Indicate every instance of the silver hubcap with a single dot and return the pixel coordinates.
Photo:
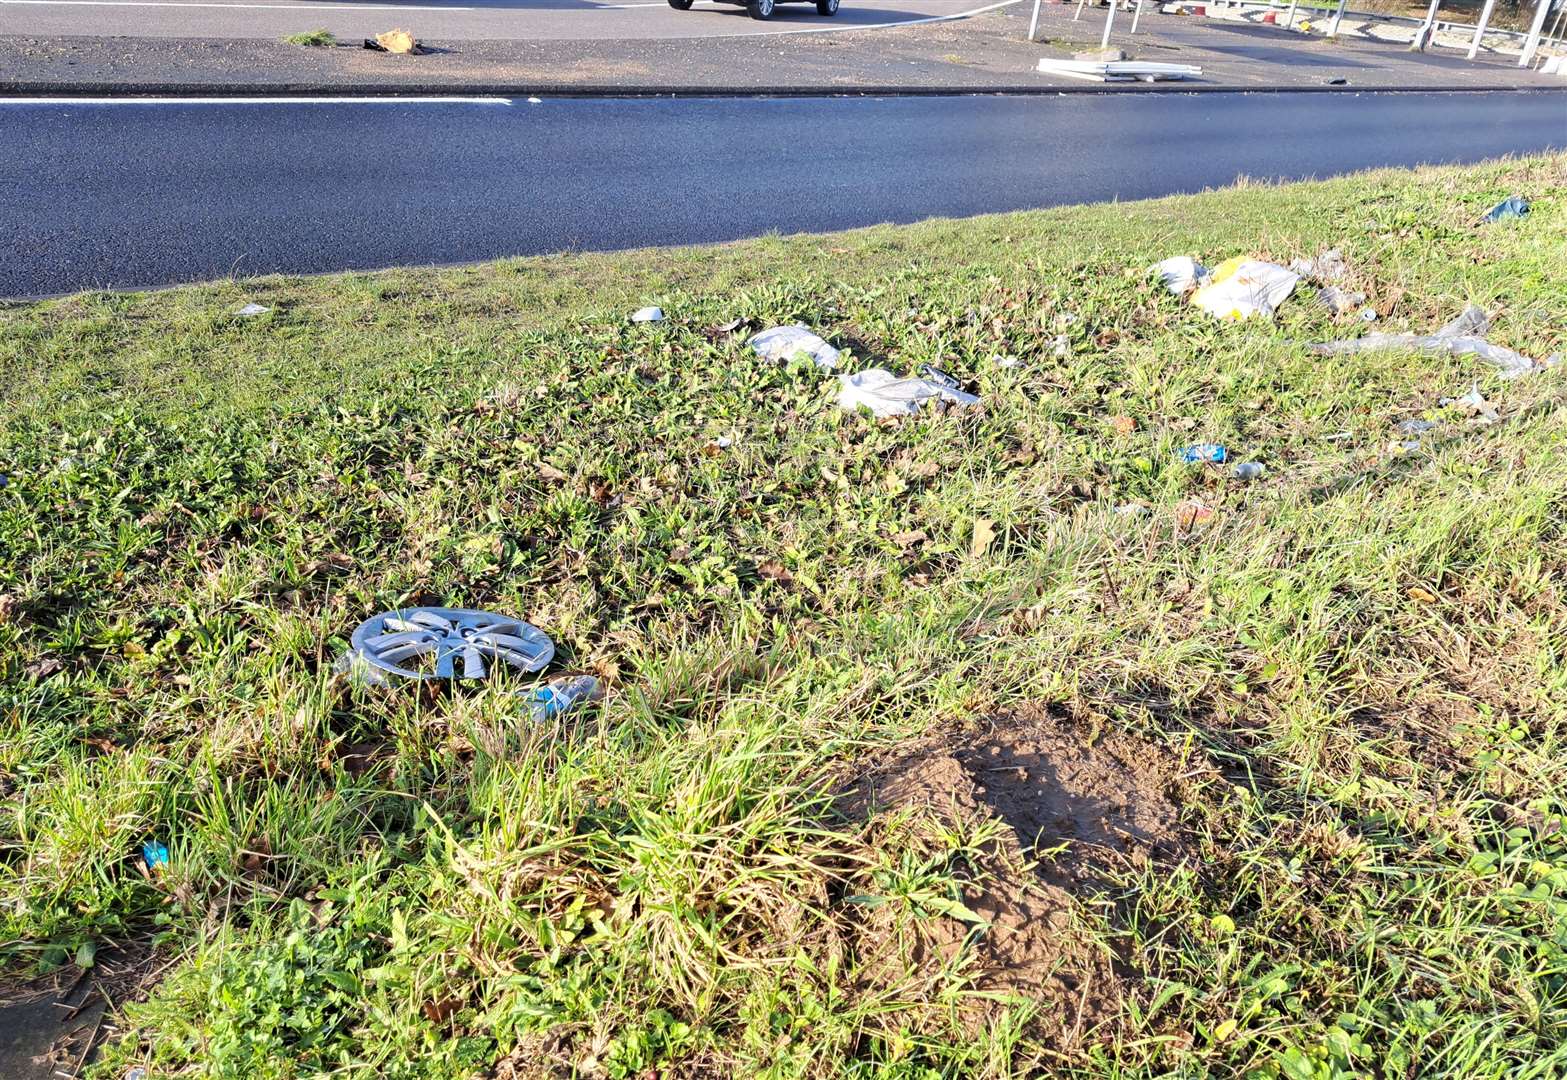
(437, 639)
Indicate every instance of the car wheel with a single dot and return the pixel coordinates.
(826, 7)
(681, 5)
(760, 9)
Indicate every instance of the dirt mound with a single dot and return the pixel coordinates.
(1023, 936)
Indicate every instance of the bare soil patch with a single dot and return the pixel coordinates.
(1074, 806)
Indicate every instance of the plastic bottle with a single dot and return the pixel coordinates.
(561, 695)
(1249, 470)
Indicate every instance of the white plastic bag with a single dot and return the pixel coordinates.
(780, 344)
(1179, 274)
(1241, 288)
(884, 394)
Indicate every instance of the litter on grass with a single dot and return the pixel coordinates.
(250, 311)
(647, 314)
(1414, 427)
(1461, 337)
(1180, 274)
(1475, 404)
(884, 394)
(1241, 288)
(430, 642)
(1204, 454)
(1325, 268)
(1249, 470)
(1513, 206)
(563, 694)
(1000, 361)
(154, 855)
(780, 344)
(1338, 301)
(936, 375)
(1193, 512)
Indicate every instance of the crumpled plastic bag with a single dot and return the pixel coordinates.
(1338, 301)
(780, 344)
(1514, 206)
(1241, 288)
(1325, 268)
(1179, 274)
(1461, 337)
(884, 394)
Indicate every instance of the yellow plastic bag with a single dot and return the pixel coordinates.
(1242, 287)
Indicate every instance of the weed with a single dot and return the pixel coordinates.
(311, 38)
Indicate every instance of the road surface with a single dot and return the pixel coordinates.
(135, 195)
(460, 20)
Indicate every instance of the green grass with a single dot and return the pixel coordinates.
(311, 38)
(1359, 659)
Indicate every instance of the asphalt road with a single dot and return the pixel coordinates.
(460, 20)
(132, 195)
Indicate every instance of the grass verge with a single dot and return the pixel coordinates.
(919, 759)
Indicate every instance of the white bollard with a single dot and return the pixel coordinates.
(1485, 17)
(1532, 42)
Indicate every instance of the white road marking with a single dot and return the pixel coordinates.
(191, 4)
(4, 101)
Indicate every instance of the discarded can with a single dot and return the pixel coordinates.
(1204, 454)
(647, 314)
(1249, 470)
(561, 695)
(936, 375)
(154, 854)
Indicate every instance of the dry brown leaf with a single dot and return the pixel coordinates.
(774, 571)
(7, 606)
(909, 539)
(547, 471)
(1424, 596)
(984, 536)
(42, 669)
(1123, 425)
(438, 1011)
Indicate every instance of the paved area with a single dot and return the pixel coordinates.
(144, 194)
(989, 51)
(469, 20)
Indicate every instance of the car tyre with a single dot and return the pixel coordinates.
(681, 5)
(760, 9)
(827, 7)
